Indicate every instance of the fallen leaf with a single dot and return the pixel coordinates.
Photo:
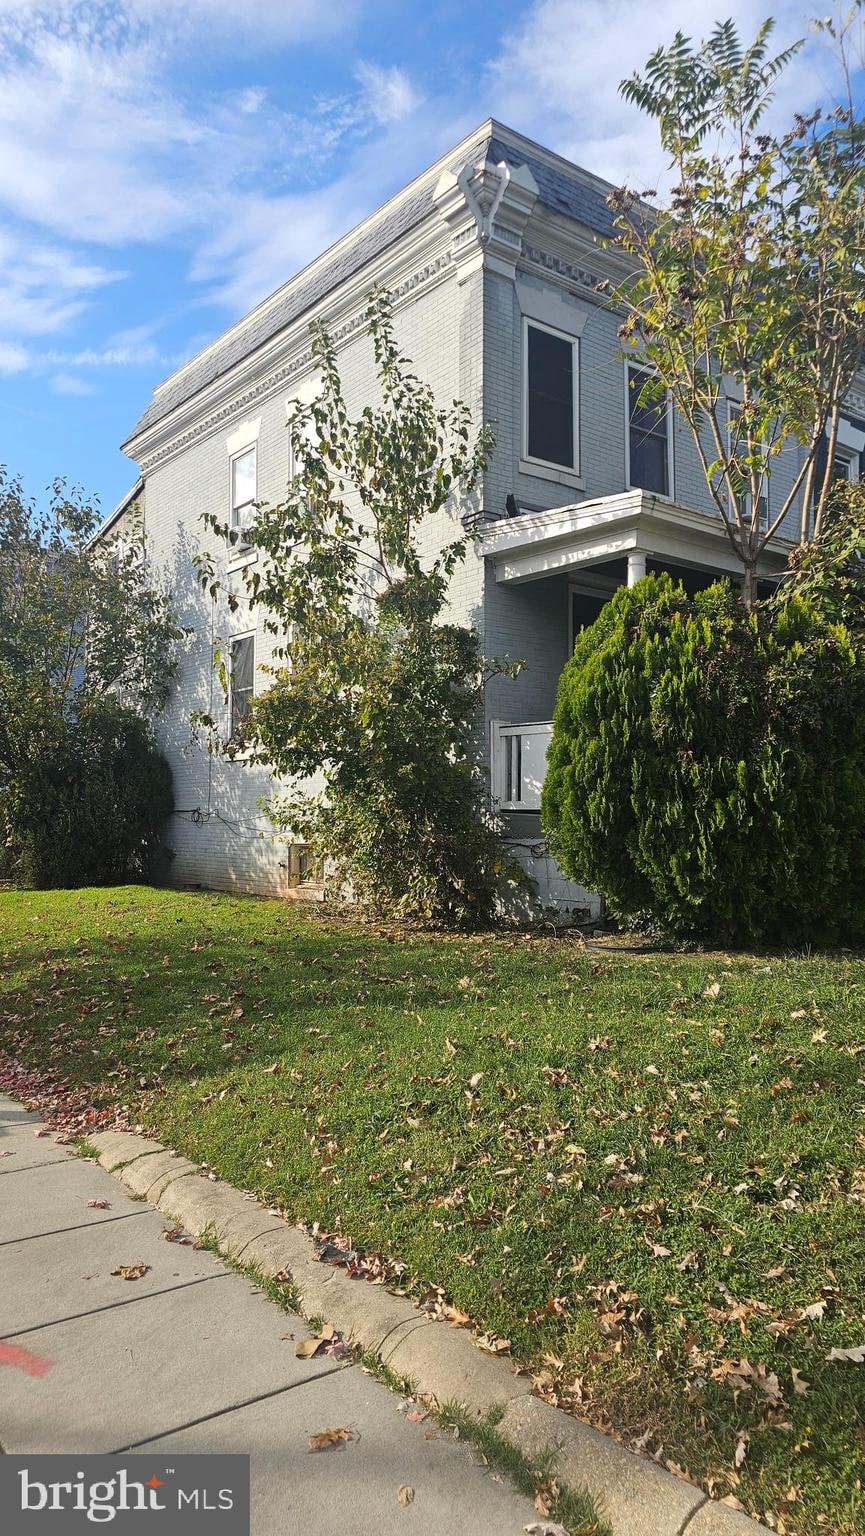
(405, 1495)
(713, 989)
(275, 1069)
(327, 1440)
(813, 1313)
(855, 1354)
(416, 1416)
(741, 1450)
(306, 1348)
(476, 1080)
(176, 1234)
(98, 1205)
(544, 1528)
(130, 1271)
(658, 1249)
(800, 1385)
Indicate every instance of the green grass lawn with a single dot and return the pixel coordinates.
(647, 1171)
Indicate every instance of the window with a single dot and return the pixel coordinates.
(739, 448)
(551, 373)
(243, 487)
(242, 680)
(845, 465)
(648, 437)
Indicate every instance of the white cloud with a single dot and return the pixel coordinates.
(13, 359)
(44, 287)
(556, 75)
(70, 384)
(388, 94)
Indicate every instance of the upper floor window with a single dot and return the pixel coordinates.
(845, 465)
(648, 436)
(241, 680)
(739, 450)
(243, 487)
(551, 392)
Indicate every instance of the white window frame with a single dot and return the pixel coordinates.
(764, 518)
(639, 366)
(236, 524)
(246, 634)
(849, 459)
(574, 341)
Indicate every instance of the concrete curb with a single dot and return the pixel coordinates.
(635, 1495)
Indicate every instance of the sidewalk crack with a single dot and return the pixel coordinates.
(220, 1413)
(110, 1306)
(32, 1237)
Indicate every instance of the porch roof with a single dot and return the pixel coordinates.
(538, 544)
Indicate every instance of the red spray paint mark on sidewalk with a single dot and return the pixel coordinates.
(23, 1360)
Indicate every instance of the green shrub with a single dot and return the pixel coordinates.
(708, 766)
(402, 823)
(91, 807)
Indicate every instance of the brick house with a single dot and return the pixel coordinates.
(493, 257)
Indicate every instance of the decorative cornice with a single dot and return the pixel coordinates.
(486, 207)
(282, 375)
(562, 268)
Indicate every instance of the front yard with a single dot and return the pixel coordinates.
(645, 1171)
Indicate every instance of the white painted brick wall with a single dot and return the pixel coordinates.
(463, 335)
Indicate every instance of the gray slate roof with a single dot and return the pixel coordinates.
(561, 190)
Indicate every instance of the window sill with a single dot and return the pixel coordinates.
(242, 556)
(550, 472)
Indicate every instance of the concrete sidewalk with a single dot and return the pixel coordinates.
(191, 1357)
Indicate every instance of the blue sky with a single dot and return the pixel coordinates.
(164, 164)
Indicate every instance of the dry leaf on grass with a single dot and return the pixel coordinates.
(800, 1385)
(405, 1495)
(130, 1271)
(98, 1205)
(328, 1440)
(856, 1354)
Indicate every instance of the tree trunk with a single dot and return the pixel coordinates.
(749, 586)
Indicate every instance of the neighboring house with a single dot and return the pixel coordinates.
(493, 257)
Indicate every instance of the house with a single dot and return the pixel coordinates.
(494, 257)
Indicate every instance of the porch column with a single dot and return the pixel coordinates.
(636, 567)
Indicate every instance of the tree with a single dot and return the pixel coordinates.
(707, 765)
(88, 648)
(373, 688)
(77, 621)
(751, 274)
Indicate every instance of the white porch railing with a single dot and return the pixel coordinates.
(519, 762)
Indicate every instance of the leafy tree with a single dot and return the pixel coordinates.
(77, 621)
(831, 573)
(374, 690)
(751, 272)
(88, 645)
(91, 808)
(708, 765)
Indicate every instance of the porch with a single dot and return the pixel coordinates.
(552, 572)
